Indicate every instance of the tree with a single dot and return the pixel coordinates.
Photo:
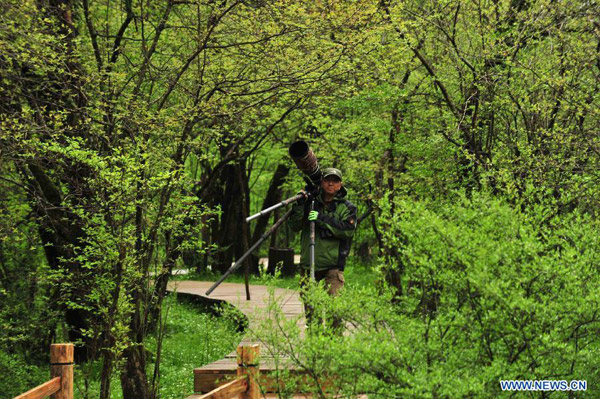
(104, 106)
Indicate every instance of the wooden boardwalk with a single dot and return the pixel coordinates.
(209, 376)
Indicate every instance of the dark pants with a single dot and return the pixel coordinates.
(334, 282)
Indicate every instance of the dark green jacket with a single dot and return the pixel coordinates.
(334, 230)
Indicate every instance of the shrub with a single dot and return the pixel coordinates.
(490, 293)
(18, 376)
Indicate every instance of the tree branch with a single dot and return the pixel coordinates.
(214, 23)
(117, 44)
(93, 34)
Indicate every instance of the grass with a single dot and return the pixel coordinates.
(355, 273)
(193, 336)
(192, 339)
(263, 279)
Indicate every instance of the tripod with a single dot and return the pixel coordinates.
(277, 224)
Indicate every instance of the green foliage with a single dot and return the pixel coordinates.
(490, 293)
(123, 127)
(504, 291)
(20, 374)
(26, 323)
(191, 336)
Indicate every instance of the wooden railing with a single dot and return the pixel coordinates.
(61, 370)
(247, 382)
(61, 374)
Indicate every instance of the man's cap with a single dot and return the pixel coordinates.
(332, 172)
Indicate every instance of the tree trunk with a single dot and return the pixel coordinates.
(133, 379)
(230, 213)
(229, 195)
(49, 94)
(60, 232)
(393, 269)
(273, 196)
(241, 171)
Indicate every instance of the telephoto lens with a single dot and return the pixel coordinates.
(306, 161)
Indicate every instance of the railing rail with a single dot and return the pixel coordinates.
(61, 372)
(246, 384)
(60, 386)
(230, 390)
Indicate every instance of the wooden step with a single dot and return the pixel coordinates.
(210, 376)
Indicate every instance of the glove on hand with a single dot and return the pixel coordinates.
(313, 215)
(301, 201)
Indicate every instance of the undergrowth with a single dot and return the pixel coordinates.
(194, 335)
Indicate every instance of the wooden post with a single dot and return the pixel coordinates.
(61, 365)
(247, 357)
(284, 255)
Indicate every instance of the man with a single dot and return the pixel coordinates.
(335, 222)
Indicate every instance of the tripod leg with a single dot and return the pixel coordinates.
(312, 244)
(244, 256)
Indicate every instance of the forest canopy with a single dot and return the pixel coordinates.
(136, 136)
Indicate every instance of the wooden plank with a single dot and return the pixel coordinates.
(229, 390)
(207, 382)
(267, 365)
(268, 380)
(46, 389)
(222, 365)
(212, 375)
